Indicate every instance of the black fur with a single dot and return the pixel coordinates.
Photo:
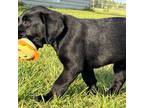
(81, 45)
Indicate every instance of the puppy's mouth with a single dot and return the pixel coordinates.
(37, 41)
(21, 35)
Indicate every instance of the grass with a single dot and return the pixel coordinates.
(37, 77)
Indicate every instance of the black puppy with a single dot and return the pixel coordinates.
(81, 45)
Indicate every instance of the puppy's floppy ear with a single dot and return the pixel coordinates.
(53, 23)
(43, 17)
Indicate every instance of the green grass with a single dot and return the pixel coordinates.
(37, 77)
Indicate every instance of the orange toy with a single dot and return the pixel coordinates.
(27, 50)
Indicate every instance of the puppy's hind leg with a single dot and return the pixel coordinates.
(119, 77)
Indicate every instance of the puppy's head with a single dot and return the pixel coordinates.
(40, 25)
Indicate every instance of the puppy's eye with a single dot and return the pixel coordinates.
(26, 23)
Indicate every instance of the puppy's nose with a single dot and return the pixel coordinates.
(21, 31)
(20, 28)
